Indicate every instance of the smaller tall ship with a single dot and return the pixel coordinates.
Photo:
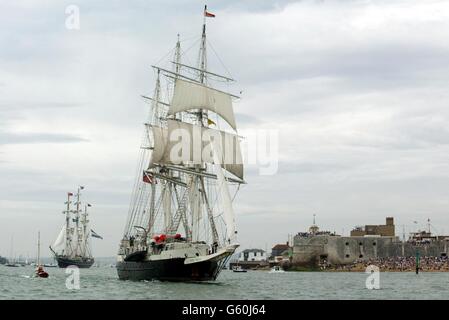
(72, 246)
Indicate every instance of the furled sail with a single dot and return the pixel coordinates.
(59, 244)
(189, 95)
(184, 143)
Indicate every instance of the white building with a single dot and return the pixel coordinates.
(252, 255)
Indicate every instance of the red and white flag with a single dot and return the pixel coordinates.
(148, 178)
(208, 14)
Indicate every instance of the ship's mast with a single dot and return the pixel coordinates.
(196, 201)
(177, 56)
(202, 114)
(38, 249)
(84, 223)
(155, 120)
(203, 59)
(67, 227)
(77, 218)
(177, 67)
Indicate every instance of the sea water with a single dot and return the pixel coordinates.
(102, 283)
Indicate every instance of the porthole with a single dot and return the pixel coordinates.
(347, 256)
(374, 243)
(361, 256)
(347, 243)
(360, 244)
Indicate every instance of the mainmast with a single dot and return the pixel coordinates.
(177, 55)
(203, 54)
(203, 62)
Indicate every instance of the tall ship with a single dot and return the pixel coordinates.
(181, 223)
(72, 246)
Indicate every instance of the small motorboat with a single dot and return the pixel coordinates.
(277, 269)
(238, 269)
(41, 273)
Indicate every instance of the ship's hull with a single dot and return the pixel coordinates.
(64, 262)
(168, 270)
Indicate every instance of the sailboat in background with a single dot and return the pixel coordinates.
(72, 246)
(40, 272)
(11, 260)
(181, 224)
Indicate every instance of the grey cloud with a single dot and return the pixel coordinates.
(345, 164)
(14, 106)
(246, 119)
(374, 66)
(330, 166)
(32, 138)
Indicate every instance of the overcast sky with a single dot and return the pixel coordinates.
(357, 89)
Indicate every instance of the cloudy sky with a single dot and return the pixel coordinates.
(356, 89)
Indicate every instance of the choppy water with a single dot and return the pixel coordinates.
(102, 283)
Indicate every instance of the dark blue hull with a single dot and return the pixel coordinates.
(84, 263)
(169, 270)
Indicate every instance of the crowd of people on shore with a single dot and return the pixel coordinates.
(394, 264)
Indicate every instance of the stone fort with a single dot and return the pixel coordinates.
(371, 242)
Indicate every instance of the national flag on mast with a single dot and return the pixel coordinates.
(95, 235)
(69, 194)
(148, 178)
(208, 14)
(89, 205)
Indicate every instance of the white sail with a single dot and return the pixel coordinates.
(159, 144)
(195, 147)
(226, 201)
(59, 244)
(189, 95)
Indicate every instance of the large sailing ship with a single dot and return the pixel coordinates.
(181, 224)
(72, 246)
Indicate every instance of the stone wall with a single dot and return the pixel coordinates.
(310, 251)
